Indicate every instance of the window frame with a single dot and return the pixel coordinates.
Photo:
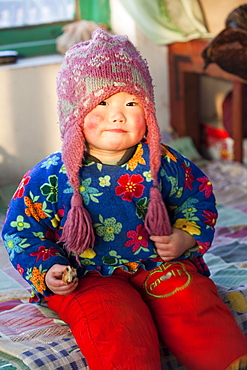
(41, 39)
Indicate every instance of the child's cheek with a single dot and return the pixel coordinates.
(140, 123)
(92, 122)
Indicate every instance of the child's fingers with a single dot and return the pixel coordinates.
(163, 239)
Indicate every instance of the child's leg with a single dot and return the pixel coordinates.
(111, 324)
(192, 321)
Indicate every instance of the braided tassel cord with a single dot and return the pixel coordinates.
(157, 220)
(78, 234)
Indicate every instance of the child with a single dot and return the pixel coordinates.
(99, 206)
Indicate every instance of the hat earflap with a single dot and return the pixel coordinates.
(78, 234)
(157, 221)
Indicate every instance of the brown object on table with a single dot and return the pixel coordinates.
(229, 51)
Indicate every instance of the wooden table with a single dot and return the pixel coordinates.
(185, 68)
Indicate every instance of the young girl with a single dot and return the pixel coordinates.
(132, 216)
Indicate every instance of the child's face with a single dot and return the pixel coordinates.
(114, 125)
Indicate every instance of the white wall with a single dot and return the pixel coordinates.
(28, 117)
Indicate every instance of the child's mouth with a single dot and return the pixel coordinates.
(116, 130)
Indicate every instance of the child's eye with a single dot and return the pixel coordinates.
(131, 104)
(102, 103)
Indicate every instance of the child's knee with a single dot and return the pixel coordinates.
(168, 280)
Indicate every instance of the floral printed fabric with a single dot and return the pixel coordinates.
(117, 198)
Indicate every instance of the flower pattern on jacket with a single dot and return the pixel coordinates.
(117, 199)
(130, 186)
(138, 238)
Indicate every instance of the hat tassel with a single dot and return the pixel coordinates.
(157, 220)
(78, 234)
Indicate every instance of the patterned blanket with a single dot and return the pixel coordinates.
(32, 337)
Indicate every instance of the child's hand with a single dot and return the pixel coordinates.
(55, 283)
(174, 245)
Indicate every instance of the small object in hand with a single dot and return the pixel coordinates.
(69, 275)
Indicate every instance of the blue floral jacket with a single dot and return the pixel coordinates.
(116, 198)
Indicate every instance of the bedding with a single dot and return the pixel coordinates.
(33, 337)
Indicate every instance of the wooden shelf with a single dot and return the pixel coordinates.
(186, 66)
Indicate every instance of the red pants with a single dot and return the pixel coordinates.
(118, 321)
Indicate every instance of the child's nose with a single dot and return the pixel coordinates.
(117, 116)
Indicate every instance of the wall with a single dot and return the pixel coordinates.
(28, 129)
(216, 12)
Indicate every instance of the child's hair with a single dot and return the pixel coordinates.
(91, 72)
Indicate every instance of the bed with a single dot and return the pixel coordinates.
(32, 336)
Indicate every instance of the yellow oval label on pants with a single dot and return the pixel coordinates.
(167, 279)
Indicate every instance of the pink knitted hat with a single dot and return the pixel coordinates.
(91, 72)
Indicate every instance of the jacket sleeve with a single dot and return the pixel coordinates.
(33, 224)
(188, 195)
